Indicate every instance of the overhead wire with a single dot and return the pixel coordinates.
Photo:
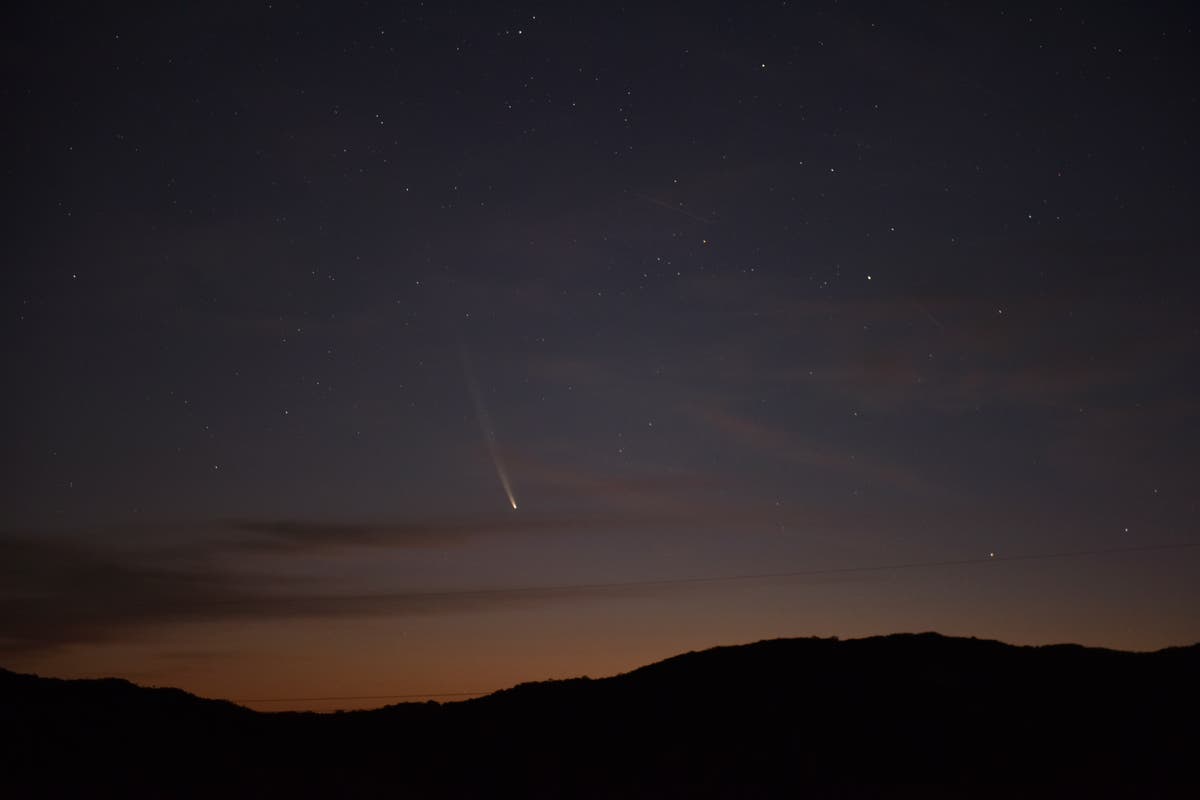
(991, 558)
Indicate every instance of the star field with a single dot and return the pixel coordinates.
(301, 300)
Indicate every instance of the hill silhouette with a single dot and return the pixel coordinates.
(908, 715)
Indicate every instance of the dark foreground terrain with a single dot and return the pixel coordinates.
(896, 716)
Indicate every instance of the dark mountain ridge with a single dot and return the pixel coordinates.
(908, 714)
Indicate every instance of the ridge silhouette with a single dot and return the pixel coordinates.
(904, 715)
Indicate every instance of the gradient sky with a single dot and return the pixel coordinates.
(724, 289)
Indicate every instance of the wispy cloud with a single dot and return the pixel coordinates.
(782, 444)
(942, 353)
(294, 536)
(65, 587)
(60, 593)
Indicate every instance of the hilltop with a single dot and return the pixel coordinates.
(917, 714)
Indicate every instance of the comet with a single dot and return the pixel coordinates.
(485, 425)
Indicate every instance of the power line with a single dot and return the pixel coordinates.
(359, 697)
(960, 562)
(650, 582)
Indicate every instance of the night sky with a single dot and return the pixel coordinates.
(894, 302)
